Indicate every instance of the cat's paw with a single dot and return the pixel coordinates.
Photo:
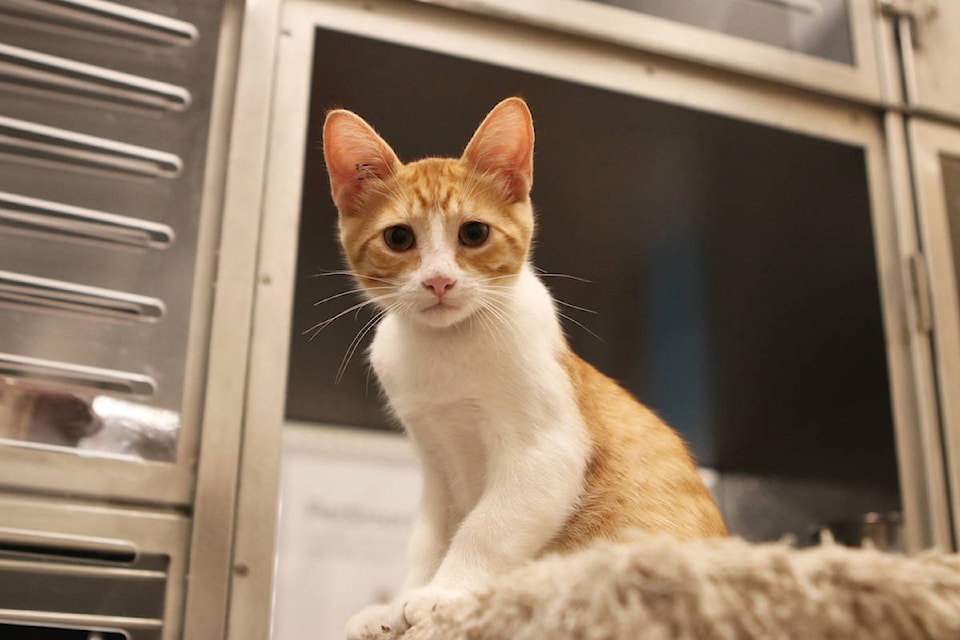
(419, 604)
(377, 622)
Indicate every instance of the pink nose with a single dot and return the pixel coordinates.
(439, 284)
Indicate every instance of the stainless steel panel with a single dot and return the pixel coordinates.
(38, 71)
(818, 28)
(104, 116)
(827, 46)
(102, 18)
(73, 566)
(232, 550)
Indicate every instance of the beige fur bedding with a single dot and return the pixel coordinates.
(656, 589)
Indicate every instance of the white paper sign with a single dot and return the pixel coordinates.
(348, 503)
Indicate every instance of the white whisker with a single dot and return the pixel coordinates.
(320, 326)
(347, 293)
(581, 325)
(355, 275)
(545, 274)
(573, 306)
(357, 339)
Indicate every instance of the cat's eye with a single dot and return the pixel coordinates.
(474, 234)
(399, 237)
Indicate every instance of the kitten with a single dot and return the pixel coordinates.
(526, 449)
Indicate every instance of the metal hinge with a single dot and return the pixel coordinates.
(918, 13)
(920, 288)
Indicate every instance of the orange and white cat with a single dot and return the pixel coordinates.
(526, 449)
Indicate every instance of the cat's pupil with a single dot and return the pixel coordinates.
(473, 234)
(399, 237)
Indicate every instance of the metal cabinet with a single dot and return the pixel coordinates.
(113, 139)
(66, 569)
(106, 244)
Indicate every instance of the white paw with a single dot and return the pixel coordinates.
(419, 604)
(377, 622)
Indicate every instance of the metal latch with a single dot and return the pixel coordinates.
(918, 13)
(920, 285)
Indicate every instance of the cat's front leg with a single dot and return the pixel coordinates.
(530, 493)
(431, 533)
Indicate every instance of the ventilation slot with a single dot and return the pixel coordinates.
(22, 541)
(38, 71)
(38, 372)
(88, 18)
(66, 222)
(40, 294)
(34, 143)
(33, 632)
(55, 586)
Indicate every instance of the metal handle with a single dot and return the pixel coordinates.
(39, 372)
(36, 216)
(36, 70)
(30, 142)
(921, 290)
(109, 18)
(43, 294)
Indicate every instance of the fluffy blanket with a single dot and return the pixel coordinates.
(657, 589)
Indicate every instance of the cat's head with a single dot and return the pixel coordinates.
(438, 239)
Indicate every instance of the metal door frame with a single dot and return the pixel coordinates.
(929, 143)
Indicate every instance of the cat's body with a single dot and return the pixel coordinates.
(525, 448)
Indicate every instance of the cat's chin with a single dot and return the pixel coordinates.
(442, 316)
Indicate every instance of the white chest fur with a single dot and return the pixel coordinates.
(492, 413)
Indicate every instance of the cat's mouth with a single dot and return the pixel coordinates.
(440, 306)
(442, 313)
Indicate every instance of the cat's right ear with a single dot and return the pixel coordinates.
(356, 157)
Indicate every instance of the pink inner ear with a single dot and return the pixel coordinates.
(503, 146)
(355, 156)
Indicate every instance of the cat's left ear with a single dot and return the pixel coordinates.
(503, 146)
(356, 157)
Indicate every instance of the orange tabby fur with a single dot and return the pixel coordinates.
(640, 476)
